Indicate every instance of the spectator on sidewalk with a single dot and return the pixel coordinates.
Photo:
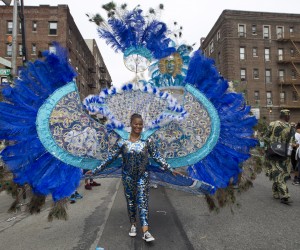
(89, 182)
(297, 155)
(74, 197)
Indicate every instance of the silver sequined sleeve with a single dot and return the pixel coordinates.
(113, 154)
(156, 156)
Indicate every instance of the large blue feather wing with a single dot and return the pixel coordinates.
(217, 134)
(48, 130)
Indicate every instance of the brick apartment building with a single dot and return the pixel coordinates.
(259, 53)
(45, 24)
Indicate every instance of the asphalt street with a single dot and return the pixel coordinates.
(178, 221)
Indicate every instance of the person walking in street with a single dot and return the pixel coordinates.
(135, 154)
(277, 167)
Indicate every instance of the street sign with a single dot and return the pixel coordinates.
(7, 2)
(4, 72)
(5, 62)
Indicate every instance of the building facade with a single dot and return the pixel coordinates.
(259, 52)
(46, 24)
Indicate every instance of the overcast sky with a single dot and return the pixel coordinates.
(197, 18)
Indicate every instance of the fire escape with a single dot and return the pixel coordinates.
(289, 74)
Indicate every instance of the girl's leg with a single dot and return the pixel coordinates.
(142, 199)
(130, 192)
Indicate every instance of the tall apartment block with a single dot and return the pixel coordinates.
(259, 52)
(45, 24)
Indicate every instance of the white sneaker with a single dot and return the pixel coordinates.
(148, 237)
(132, 231)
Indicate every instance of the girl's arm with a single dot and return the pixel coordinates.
(113, 154)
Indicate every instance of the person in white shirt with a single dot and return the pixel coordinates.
(297, 156)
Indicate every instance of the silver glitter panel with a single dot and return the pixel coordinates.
(77, 133)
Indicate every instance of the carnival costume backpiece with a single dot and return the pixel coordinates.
(206, 131)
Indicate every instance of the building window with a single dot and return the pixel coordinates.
(267, 54)
(281, 75)
(242, 53)
(9, 27)
(268, 76)
(280, 54)
(269, 98)
(218, 35)
(256, 95)
(295, 96)
(254, 31)
(266, 31)
(291, 31)
(211, 47)
(20, 28)
(254, 52)
(243, 74)
(280, 32)
(52, 28)
(242, 30)
(292, 51)
(8, 50)
(20, 50)
(34, 26)
(255, 74)
(52, 49)
(293, 74)
(219, 57)
(282, 97)
(33, 49)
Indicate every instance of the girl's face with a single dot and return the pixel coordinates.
(137, 125)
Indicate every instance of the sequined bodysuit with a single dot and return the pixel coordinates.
(135, 176)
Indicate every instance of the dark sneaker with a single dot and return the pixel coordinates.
(88, 187)
(132, 231)
(296, 183)
(148, 237)
(72, 199)
(95, 184)
(285, 201)
(78, 195)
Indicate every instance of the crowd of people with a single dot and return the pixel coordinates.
(282, 141)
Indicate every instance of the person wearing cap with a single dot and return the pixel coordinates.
(276, 168)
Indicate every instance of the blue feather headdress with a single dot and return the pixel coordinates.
(131, 32)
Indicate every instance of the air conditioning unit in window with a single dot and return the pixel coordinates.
(269, 102)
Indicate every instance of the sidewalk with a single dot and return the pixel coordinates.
(82, 230)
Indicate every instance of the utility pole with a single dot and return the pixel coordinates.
(14, 40)
(21, 14)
